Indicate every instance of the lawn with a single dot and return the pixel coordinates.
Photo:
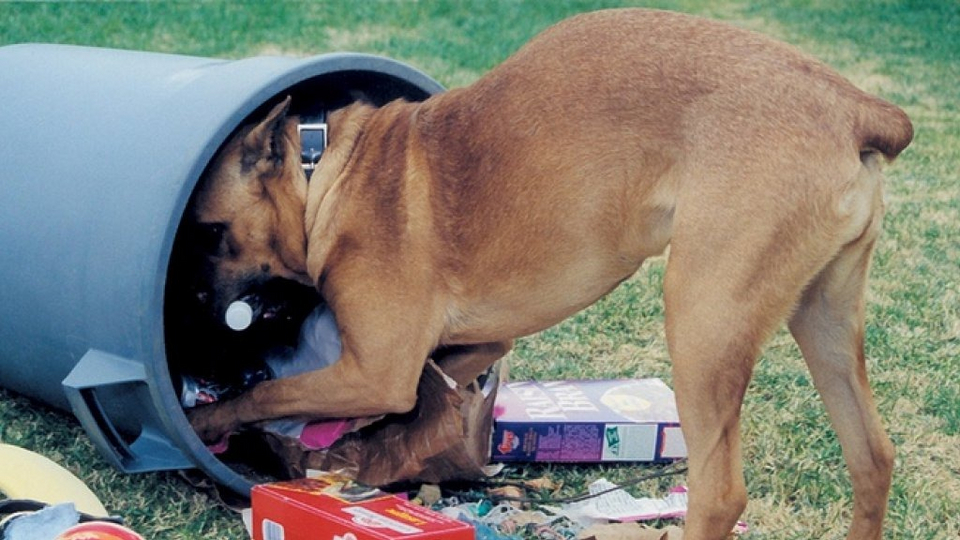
(798, 489)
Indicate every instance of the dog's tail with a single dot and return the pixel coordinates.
(882, 127)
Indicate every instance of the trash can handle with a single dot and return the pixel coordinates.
(151, 450)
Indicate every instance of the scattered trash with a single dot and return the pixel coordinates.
(504, 521)
(607, 512)
(33, 520)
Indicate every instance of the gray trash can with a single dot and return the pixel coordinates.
(100, 151)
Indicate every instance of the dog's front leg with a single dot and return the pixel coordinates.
(384, 350)
(350, 388)
(464, 363)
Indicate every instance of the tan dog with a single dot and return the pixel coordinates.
(494, 211)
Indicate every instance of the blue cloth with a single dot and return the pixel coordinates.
(43, 524)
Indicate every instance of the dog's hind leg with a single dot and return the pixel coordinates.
(829, 326)
(734, 274)
(713, 346)
(715, 331)
(744, 248)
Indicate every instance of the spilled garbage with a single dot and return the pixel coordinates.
(322, 500)
(456, 435)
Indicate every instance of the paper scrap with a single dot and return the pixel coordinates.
(618, 505)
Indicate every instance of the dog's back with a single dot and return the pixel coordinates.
(663, 76)
(620, 117)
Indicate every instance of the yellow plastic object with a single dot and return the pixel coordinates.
(28, 475)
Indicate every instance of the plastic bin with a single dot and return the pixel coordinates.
(101, 150)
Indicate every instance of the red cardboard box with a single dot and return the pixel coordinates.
(330, 508)
(587, 422)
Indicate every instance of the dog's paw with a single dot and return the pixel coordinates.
(211, 424)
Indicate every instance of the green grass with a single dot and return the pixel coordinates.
(905, 51)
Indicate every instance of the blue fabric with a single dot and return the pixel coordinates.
(43, 524)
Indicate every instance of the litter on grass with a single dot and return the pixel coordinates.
(610, 514)
(564, 521)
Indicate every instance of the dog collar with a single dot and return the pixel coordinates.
(313, 140)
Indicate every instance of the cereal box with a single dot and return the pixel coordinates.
(587, 421)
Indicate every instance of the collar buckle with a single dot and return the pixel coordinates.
(313, 141)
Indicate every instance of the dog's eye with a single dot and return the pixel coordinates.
(210, 236)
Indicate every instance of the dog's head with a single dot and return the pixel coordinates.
(248, 211)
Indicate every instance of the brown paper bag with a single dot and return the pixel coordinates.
(445, 437)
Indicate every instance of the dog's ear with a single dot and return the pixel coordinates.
(265, 141)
